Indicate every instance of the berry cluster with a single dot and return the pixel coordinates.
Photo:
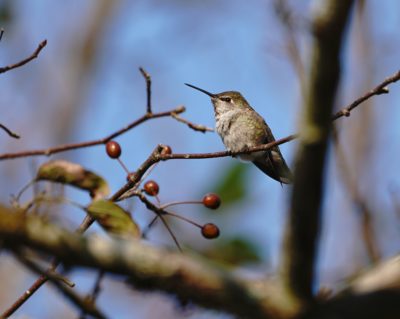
(151, 188)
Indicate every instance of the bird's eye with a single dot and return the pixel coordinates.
(226, 99)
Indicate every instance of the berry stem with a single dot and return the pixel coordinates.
(178, 203)
(184, 218)
(149, 226)
(170, 232)
(123, 166)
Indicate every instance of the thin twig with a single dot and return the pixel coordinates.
(8, 131)
(160, 213)
(365, 215)
(1, 33)
(73, 146)
(148, 89)
(87, 222)
(196, 127)
(285, 15)
(91, 298)
(170, 232)
(378, 90)
(152, 222)
(34, 55)
(81, 303)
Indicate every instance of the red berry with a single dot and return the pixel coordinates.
(113, 149)
(211, 201)
(210, 231)
(151, 188)
(166, 150)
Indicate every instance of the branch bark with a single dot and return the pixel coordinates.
(193, 278)
(302, 230)
(148, 268)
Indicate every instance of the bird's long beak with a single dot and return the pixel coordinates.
(201, 90)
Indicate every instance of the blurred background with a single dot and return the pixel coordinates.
(85, 85)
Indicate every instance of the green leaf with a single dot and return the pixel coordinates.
(61, 171)
(232, 186)
(113, 218)
(234, 251)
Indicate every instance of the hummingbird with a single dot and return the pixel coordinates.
(241, 127)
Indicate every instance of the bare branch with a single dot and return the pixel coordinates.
(81, 303)
(150, 268)
(34, 55)
(365, 215)
(160, 212)
(147, 267)
(303, 225)
(148, 89)
(378, 90)
(285, 15)
(73, 146)
(8, 131)
(371, 294)
(196, 127)
(91, 298)
(87, 222)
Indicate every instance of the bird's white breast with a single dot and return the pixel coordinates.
(236, 133)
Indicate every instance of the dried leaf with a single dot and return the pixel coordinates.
(61, 171)
(113, 218)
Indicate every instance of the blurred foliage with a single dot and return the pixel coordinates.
(231, 187)
(234, 251)
(6, 13)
